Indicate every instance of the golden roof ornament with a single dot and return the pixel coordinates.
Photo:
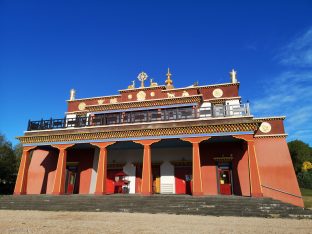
(142, 77)
(153, 84)
(132, 86)
(233, 76)
(169, 82)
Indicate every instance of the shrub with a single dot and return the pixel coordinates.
(305, 179)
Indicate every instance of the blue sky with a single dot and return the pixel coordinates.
(99, 47)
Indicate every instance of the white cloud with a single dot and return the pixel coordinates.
(290, 93)
(298, 52)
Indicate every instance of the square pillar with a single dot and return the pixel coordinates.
(101, 177)
(146, 185)
(197, 183)
(255, 186)
(21, 180)
(60, 175)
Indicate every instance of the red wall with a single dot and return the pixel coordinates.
(84, 157)
(228, 91)
(159, 92)
(209, 169)
(41, 172)
(276, 169)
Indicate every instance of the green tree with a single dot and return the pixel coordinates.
(300, 152)
(8, 166)
(18, 151)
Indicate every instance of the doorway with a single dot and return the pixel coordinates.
(71, 175)
(183, 179)
(156, 178)
(225, 179)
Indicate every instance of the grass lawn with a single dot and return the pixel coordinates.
(307, 197)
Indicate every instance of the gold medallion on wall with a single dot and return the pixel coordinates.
(82, 106)
(217, 93)
(141, 96)
(265, 127)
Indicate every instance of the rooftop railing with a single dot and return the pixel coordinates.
(179, 113)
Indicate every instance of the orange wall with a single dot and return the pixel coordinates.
(240, 166)
(276, 169)
(42, 169)
(41, 172)
(241, 162)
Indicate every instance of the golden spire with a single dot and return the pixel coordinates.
(169, 81)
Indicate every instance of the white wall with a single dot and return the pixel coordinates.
(163, 155)
(69, 116)
(205, 107)
(166, 155)
(230, 103)
(129, 169)
(167, 180)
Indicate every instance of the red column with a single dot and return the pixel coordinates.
(59, 180)
(255, 185)
(21, 180)
(197, 183)
(100, 188)
(147, 178)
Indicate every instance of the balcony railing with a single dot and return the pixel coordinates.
(179, 113)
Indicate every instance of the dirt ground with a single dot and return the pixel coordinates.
(87, 222)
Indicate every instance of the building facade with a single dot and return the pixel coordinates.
(198, 140)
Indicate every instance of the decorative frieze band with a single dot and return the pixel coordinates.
(148, 103)
(238, 127)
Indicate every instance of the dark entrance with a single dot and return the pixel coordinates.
(71, 175)
(183, 179)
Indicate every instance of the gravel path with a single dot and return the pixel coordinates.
(92, 222)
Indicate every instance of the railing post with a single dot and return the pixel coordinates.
(28, 127)
(65, 124)
(41, 124)
(247, 108)
(227, 109)
(103, 119)
(51, 123)
(88, 121)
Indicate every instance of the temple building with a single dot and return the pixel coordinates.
(198, 140)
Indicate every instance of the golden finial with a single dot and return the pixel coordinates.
(141, 77)
(169, 82)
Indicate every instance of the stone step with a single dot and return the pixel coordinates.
(172, 204)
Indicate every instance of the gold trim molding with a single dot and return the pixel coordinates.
(271, 135)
